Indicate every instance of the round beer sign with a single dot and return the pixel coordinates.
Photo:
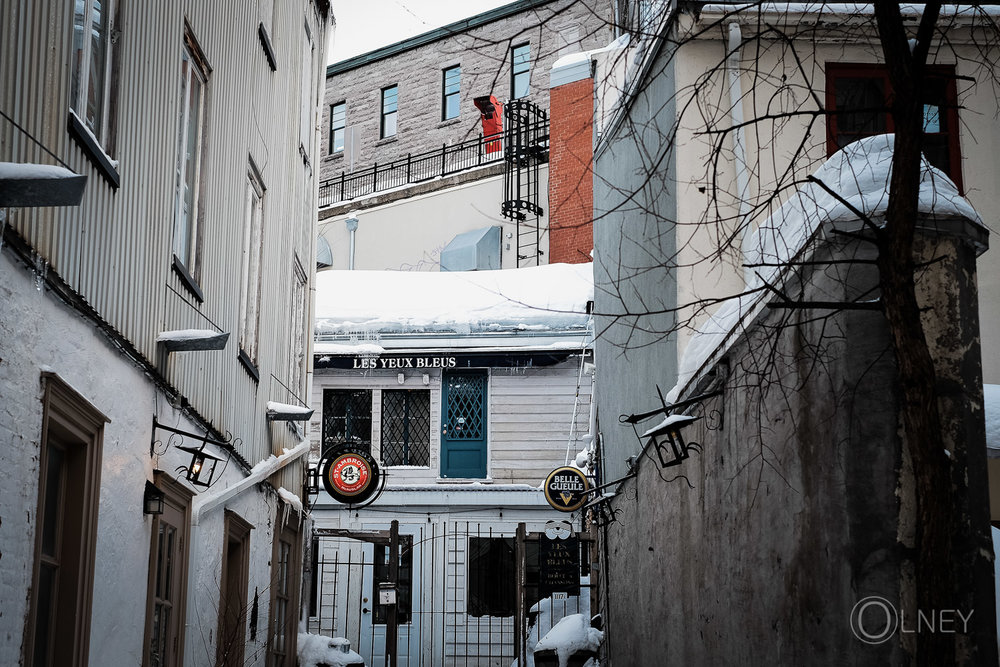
(566, 489)
(350, 475)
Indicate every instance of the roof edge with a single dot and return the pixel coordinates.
(422, 39)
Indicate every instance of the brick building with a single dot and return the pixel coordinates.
(402, 138)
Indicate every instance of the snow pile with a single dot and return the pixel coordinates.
(333, 651)
(26, 171)
(859, 174)
(991, 398)
(572, 634)
(288, 408)
(547, 297)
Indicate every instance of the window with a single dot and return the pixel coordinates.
(389, 104)
(165, 598)
(347, 418)
(284, 592)
(451, 79)
(253, 249)
(858, 98)
(406, 427)
(307, 105)
(520, 72)
(299, 326)
(94, 57)
(58, 623)
(404, 580)
(194, 76)
(492, 572)
(338, 121)
(233, 591)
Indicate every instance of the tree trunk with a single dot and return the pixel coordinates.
(922, 425)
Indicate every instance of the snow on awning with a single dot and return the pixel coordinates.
(186, 340)
(28, 184)
(288, 412)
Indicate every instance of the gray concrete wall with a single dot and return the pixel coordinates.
(801, 503)
(635, 208)
(553, 30)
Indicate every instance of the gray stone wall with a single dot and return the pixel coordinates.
(553, 29)
(800, 505)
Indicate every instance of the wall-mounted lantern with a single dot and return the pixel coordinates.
(202, 467)
(152, 499)
(669, 443)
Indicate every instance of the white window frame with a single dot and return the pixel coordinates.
(253, 249)
(86, 76)
(189, 156)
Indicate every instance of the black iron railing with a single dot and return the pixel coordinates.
(449, 159)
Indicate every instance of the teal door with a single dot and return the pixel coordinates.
(463, 424)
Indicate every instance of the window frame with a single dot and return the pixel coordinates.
(72, 425)
(365, 439)
(385, 430)
(332, 148)
(385, 113)
(835, 72)
(252, 265)
(487, 594)
(103, 128)
(451, 95)
(236, 533)
(518, 69)
(188, 167)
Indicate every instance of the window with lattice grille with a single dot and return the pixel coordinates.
(347, 418)
(406, 427)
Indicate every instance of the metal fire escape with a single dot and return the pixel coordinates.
(526, 146)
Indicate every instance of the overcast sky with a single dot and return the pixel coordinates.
(364, 25)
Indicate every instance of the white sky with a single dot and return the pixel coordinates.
(365, 25)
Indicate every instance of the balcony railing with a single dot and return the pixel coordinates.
(412, 169)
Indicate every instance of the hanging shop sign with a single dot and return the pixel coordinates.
(558, 566)
(566, 489)
(350, 475)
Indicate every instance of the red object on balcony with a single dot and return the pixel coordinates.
(491, 113)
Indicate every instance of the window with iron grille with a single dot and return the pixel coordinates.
(406, 427)
(859, 96)
(347, 418)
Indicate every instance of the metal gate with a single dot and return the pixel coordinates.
(450, 612)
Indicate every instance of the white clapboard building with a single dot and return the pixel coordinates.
(467, 389)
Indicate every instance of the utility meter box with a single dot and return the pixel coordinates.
(386, 593)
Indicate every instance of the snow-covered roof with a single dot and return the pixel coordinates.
(544, 298)
(859, 174)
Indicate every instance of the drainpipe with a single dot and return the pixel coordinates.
(352, 227)
(734, 53)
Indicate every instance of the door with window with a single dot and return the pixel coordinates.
(463, 424)
(165, 597)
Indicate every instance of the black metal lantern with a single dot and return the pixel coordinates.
(152, 499)
(202, 466)
(669, 443)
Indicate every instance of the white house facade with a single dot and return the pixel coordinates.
(467, 395)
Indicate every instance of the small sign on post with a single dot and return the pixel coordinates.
(386, 593)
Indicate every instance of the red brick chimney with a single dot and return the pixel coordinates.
(571, 155)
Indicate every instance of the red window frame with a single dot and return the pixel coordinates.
(836, 72)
